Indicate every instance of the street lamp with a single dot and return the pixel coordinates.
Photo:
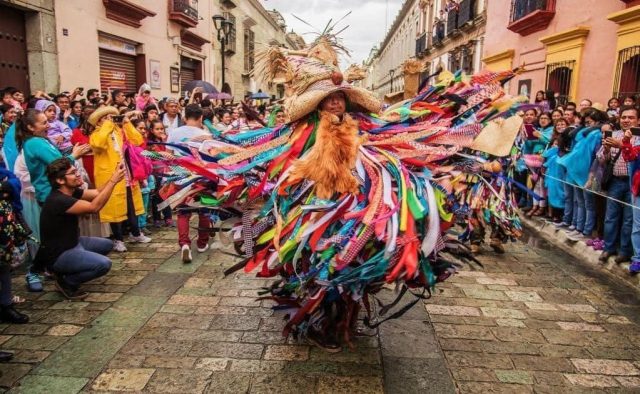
(223, 27)
(391, 72)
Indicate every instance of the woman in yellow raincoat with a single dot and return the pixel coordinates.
(125, 203)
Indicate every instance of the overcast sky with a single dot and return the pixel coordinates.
(366, 22)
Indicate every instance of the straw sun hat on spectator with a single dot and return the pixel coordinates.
(100, 113)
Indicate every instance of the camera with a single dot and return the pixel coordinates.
(118, 118)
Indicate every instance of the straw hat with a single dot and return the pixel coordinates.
(100, 113)
(309, 76)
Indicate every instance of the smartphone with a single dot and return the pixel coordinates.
(118, 118)
(635, 131)
(529, 130)
(608, 134)
(80, 90)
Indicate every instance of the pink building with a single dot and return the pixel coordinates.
(577, 48)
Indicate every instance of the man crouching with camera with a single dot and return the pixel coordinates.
(73, 259)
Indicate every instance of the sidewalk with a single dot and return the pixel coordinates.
(580, 250)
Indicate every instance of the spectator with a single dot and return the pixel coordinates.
(125, 203)
(74, 259)
(542, 101)
(630, 153)
(59, 133)
(555, 115)
(225, 121)
(192, 129)
(9, 115)
(629, 101)
(171, 117)
(577, 163)
(554, 173)
(118, 98)
(12, 235)
(93, 95)
(584, 104)
(157, 134)
(618, 217)
(76, 114)
(144, 97)
(150, 114)
(38, 152)
(613, 107)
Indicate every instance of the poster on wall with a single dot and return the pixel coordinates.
(175, 80)
(154, 71)
(524, 87)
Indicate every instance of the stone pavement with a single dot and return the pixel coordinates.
(529, 320)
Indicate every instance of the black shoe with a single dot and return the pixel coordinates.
(604, 257)
(5, 356)
(622, 259)
(8, 314)
(327, 344)
(68, 291)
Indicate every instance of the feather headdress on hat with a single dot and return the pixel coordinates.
(311, 74)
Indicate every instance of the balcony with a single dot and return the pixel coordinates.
(184, 12)
(228, 4)
(466, 13)
(530, 16)
(421, 45)
(126, 12)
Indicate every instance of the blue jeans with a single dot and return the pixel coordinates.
(635, 232)
(85, 262)
(618, 219)
(578, 208)
(589, 213)
(568, 204)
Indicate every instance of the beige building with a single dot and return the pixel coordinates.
(427, 30)
(120, 44)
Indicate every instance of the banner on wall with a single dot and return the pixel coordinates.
(154, 74)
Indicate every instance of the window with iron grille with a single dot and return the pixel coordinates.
(231, 44)
(249, 50)
(559, 79)
(627, 82)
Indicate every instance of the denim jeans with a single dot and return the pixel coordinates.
(589, 213)
(568, 204)
(578, 208)
(635, 232)
(85, 262)
(618, 220)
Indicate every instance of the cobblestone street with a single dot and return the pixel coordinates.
(530, 320)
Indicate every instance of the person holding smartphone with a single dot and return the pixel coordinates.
(72, 258)
(109, 141)
(618, 220)
(631, 153)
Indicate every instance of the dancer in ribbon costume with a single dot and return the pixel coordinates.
(338, 203)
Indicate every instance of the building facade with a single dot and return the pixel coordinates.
(28, 52)
(594, 54)
(120, 44)
(440, 33)
(396, 47)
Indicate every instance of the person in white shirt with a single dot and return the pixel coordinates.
(192, 130)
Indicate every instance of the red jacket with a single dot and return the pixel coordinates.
(630, 154)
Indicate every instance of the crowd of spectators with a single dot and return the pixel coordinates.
(579, 162)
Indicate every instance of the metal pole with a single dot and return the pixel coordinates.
(222, 42)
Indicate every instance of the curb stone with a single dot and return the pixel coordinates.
(580, 250)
